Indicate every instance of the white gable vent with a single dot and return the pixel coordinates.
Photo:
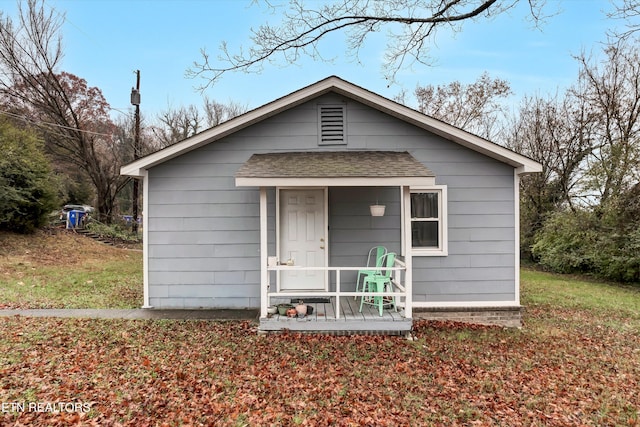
(332, 125)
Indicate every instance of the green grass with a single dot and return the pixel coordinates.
(615, 304)
(116, 284)
(65, 270)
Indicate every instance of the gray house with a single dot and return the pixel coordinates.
(277, 205)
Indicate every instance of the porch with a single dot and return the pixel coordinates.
(326, 318)
(316, 229)
(335, 309)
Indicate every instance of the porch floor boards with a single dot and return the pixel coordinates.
(351, 319)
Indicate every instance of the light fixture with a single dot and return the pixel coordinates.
(377, 210)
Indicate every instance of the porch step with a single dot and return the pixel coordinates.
(348, 327)
(351, 321)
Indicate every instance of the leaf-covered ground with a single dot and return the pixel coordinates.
(563, 369)
(576, 362)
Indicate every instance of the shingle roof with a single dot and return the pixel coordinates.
(333, 164)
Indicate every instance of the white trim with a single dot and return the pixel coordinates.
(443, 223)
(464, 304)
(523, 164)
(398, 268)
(516, 237)
(326, 236)
(263, 253)
(403, 228)
(145, 240)
(408, 257)
(395, 181)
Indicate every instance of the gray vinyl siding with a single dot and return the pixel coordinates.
(480, 266)
(204, 231)
(353, 231)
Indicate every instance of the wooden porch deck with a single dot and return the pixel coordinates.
(351, 321)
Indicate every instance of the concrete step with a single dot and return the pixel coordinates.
(94, 236)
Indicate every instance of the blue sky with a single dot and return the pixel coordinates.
(106, 40)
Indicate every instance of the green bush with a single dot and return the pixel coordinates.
(619, 256)
(562, 245)
(593, 242)
(27, 194)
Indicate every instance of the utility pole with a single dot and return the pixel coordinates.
(135, 100)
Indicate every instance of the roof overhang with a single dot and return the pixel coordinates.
(523, 164)
(333, 169)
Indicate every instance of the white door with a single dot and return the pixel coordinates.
(303, 238)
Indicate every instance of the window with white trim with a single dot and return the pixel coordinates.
(429, 221)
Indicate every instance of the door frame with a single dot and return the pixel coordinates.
(325, 227)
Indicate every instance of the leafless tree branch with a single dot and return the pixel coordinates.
(412, 26)
(628, 11)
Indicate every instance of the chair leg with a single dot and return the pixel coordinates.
(388, 287)
(364, 288)
(393, 299)
(380, 299)
(377, 286)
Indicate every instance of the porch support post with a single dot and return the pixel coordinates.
(264, 279)
(408, 274)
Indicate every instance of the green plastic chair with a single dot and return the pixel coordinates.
(380, 252)
(379, 281)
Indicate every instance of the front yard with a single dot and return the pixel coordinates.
(576, 362)
(65, 270)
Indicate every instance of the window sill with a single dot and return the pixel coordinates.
(429, 252)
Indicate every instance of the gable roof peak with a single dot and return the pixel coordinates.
(336, 84)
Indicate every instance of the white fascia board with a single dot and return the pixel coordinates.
(488, 148)
(135, 168)
(335, 182)
(445, 130)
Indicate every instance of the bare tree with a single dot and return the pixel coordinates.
(612, 91)
(411, 28)
(629, 11)
(176, 124)
(475, 108)
(218, 113)
(72, 117)
(555, 132)
(588, 142)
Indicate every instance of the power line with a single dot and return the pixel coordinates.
(43, 123)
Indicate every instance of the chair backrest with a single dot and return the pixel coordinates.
(389, 259)
(379, 252)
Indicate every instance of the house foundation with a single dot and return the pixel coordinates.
(510, 317)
